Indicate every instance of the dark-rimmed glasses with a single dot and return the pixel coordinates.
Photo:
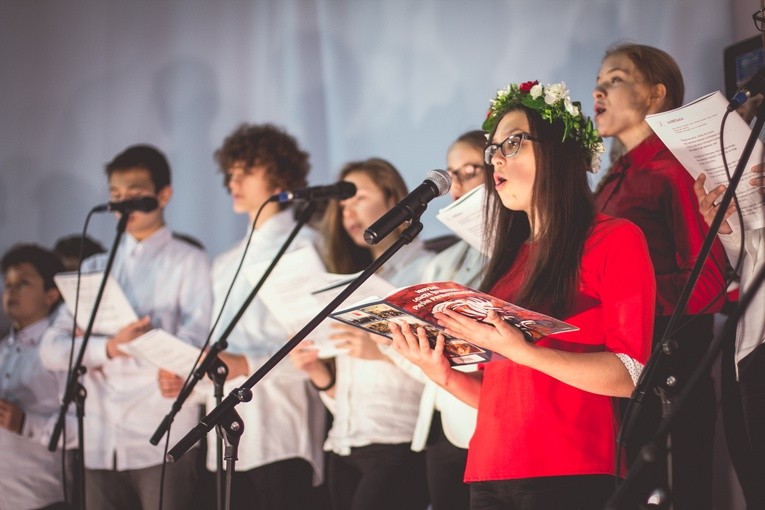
(759, 19)
(509, 147)
(465, 172)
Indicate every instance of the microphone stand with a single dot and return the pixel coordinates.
(650, 453)
(218, 373)
(75, 391)
(212, 365)
(224, 415)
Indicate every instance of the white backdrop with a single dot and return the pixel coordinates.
(80, 80)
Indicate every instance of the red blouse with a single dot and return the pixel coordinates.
(649, 187)
(530, 424)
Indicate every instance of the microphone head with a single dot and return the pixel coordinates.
(345, 190)
(145, 204)
(441, 179)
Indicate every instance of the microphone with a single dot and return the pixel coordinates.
(436, 183)
(755, 85)
(340, 191)
(143, 204)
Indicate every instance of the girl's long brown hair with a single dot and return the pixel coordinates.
(565, 210)
(341, 254)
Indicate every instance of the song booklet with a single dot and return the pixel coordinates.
(416, 304)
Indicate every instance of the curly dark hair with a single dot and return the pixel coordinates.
(252, 145)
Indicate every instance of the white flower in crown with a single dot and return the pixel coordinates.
(555, 92)
(570, 107)
(553, 103)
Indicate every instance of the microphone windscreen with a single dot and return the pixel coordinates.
(441, 179)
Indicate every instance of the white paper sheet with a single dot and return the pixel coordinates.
(163, 350)
(299, 288)
(464, 217)
(114, 311)
(692, 133)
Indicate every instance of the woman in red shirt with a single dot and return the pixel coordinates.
(546, 429)
(649, 187)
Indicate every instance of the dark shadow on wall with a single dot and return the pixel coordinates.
(63, 201)
(187, 99)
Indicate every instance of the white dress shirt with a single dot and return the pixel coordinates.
(751, 327)
(285, 418)
(30, 475)
(459, 263)
(167, 280)
(375, 401)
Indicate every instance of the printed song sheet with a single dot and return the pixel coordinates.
(299, 288)
(464, 217)
(114, 311)
(692, 133)
(163, 350)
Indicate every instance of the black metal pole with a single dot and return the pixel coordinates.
(648, 378)
(243, 393)
(74, 388)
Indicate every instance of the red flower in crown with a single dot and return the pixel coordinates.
(526, 86)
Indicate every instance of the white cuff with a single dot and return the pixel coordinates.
(634, 367)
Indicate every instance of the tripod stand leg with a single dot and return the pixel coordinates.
(231, 429)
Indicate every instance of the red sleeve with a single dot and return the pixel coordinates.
(628, 293)
(689, 229)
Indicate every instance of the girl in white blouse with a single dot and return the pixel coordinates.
(374, 403)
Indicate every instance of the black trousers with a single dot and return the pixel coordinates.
(137, 489)
(744, 420)
(583, 492)
(282, 485)
(445, 469)
(692, 435)
(378, 477)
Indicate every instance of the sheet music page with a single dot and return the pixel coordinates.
(114, 311)
(464, 217)
(299, 288)
(692, 133)
(163, 350)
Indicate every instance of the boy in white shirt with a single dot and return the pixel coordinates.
(167, 282)
(30, 475)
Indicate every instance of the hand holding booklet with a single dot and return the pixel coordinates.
(163, 350)
(692, 133)
(416, 304)
(157, 347)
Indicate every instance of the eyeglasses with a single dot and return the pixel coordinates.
(465, 172)
(759, 20)
(509, 147)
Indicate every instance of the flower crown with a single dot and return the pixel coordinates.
(552, 102)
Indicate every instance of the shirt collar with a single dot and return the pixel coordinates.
(150, 245)
(30, 335)
(273, 226)
(641, 155)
